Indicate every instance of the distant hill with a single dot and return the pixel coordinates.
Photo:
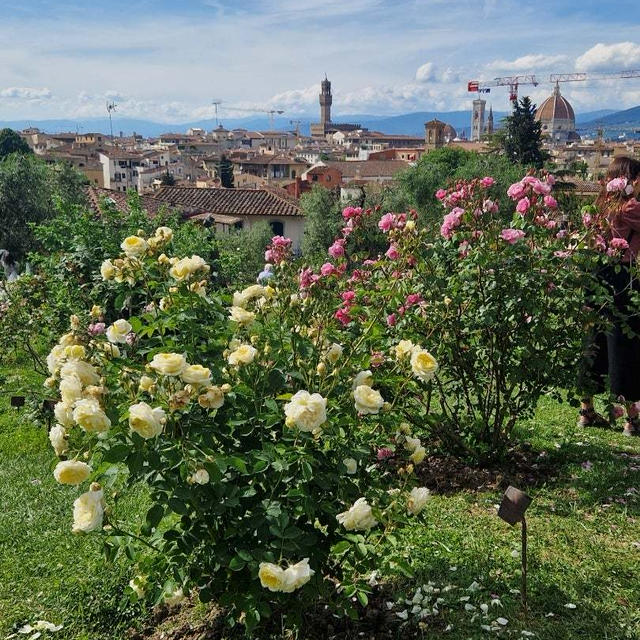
(626, 117)
(407, 123)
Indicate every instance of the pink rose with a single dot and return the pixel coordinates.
(617, 184)
(441, 194)
(450, 222)
(541, 188)
(348, 296)
(392, 252)
(487, 181)
(550, 202)
(387, 222)
(96, 329)
(550, 180)
(391, 320)
(619, 244)
(412, 298)
(512, 235)
(342, 315)
(377, 358)
(327, 269)
(523, 205)
(516, 191)
(336, 250)
(384, 453)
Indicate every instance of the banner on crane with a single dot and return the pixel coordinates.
(472, 85)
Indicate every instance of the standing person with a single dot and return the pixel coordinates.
(616, 352)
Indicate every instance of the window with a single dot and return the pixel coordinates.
(277, 227)
(238, 225)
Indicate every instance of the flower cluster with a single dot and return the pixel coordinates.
(279, 250)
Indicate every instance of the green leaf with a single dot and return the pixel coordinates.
(237, 563)
(178, 506)
(117, 453)
(403, 567)
(154, 515)
(340, 547)
(362, 598)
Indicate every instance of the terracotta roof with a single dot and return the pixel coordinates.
(555, 107)
(368, 168)
(151, 205)
(581, 186)
(233, 202)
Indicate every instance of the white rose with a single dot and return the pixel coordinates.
(184, 268)
(134, 246)
(70, 389)
(201, 476)
(212, 398)
(273, 577)
(58, 439)
(55, 358)
(239, 300)
(351, 465)
(71, 472)
(164, 233)
(411, 444)
(417, 500)
(88, 415)
(241, 316)
(363, 378)
(403, 348)
(306, 411)
(145, 421)
(169, 364)
(118, 331)
(64, 414)
(88, 510)
(358, 517)
(244, 354)
(368, 400)
(196, 374)
(333, 353)
(298, 574)
(84, 371)
(423, 364)
(138, 585)
(75, 352)
(146, 383)
(107, 270)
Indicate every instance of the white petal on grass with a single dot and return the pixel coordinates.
(569, 605)
(502, 621)
(469, 607)
(403, 615)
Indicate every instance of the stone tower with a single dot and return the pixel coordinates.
(490, 121)
(434, 134)
(325, 102)
(477, 119)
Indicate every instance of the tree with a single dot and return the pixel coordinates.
(521, 137)
(12, 142)
(167, 180)
(323, 220)
(225, 171)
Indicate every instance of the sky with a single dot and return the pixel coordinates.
(168, 60)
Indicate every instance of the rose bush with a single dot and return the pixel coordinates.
(267, 433)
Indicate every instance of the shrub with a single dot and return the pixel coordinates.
(268, 435)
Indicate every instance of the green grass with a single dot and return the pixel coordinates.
(46, 572)
(582, 524)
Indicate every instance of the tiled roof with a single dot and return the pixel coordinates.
(368, 168)
(151, 205)
(232, 202)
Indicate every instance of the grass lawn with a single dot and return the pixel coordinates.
(584, 545)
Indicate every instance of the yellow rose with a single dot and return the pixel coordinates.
(88, 510)
(64, 414)
(333, 353)
(423, 364)
(321, 369)
(244, 354)
(417, 500)
(358, 517)
(212, 398)
(403, 349)
(90, 417)
(107, 270)
(274, 578)
(306, 411)
(96, 311)
(410, 225)
(367, 400)
(134, 246)
(164, 233)
(163, 259)
(55, 358)
(418, 455)
(201, 476)
(184, 268)
(196, 374)
(169, 364)
(239, 300)
(70, 390)
(411, 444)
(146, 383)
(241, 316)
(351, 465)
(75, 352)
(145, 421)
(82, 370)
(118, 331)
(71, 472)
(58, 439)
(363, 378)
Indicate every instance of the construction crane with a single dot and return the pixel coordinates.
(297, 123)
(514, 81)
(216, 104)
(111, 107)
(270, 112)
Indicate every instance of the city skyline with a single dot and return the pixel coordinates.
(167, 62)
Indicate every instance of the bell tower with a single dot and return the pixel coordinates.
(477, 119)
(325, 102)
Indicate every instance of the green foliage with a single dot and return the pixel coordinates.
(443, 167)
(521, 137)
(29, 190)
(323, 220)
(225, 171)
(167, 180)
(12, 142)
(241, 254)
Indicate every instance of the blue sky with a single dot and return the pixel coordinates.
(167, 60)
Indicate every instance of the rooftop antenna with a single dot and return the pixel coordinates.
(215, 104)
(111, 107)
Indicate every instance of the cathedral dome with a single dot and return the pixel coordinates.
(555, 107)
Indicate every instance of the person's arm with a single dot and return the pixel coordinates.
(630, 214)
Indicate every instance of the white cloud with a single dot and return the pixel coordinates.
(609, 57)
(26, 93)
(531, 62)
(425, 72)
